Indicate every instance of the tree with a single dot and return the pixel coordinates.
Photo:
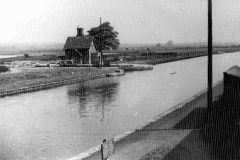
(106, 35)
(170, 43)
(159, 45)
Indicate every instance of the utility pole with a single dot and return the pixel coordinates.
(210, 50)
(100, 63)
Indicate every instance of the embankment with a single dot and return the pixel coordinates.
(38, 79)
(156, 60)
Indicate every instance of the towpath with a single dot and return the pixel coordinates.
(174, 136)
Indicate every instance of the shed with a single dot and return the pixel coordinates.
(232, 82)
(81, 49)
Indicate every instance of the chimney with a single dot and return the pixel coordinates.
(80, 32)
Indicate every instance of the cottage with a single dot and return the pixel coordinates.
(81, 49)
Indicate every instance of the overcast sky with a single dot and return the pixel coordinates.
(137, 21)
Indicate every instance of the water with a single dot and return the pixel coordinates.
(8, 56)
(62, 122)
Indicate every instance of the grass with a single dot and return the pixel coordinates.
(30, 77)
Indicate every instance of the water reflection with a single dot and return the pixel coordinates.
(96, 97)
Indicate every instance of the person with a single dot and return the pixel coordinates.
(104, 140)
(99, 59)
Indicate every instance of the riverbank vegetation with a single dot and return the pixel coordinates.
(4, 69)
(36, 76)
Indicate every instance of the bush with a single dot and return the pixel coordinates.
(26, 55)
(4, 69)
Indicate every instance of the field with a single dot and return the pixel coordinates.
(41, 55)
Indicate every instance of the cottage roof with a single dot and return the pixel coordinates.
(78, 42)
(234, 71)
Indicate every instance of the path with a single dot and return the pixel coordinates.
(158, 139)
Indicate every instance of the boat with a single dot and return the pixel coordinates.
(118, 72)
(42, 65)
(136, 68)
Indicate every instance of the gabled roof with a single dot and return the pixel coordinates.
(78, 42)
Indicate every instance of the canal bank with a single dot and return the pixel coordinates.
(30, 80)
(155, 61)
(162, 134)
(48, 85)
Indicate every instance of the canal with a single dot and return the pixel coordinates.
(62, 122)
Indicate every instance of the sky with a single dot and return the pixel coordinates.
(137, 21)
